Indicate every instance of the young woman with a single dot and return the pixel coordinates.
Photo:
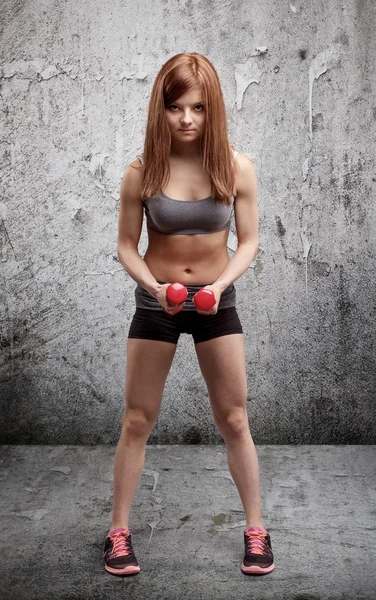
(187, 181)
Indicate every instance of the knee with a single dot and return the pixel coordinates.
(136, 423)
(234, 424)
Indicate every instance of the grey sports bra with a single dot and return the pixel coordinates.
(167, 215)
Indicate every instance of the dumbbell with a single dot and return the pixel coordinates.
(175, 294)
(204, 299)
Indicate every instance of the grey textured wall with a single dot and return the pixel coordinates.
(299, 83)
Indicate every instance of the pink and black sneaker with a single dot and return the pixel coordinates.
(258, 557)
(119, 557)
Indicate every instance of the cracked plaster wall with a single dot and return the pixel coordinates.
(298, 80)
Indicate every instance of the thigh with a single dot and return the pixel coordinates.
(148, 363)
(222, 364)
(151, 347)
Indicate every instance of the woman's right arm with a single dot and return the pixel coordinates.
(130, 227)
(129, 230)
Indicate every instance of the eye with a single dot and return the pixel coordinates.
(172, 106)
(200, 106)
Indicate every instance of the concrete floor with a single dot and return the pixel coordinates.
(318, 503)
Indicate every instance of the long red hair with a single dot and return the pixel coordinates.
(179, 74)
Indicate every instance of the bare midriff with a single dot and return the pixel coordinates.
(187, 258)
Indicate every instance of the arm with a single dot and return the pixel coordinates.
(129, 230)
(246, 220)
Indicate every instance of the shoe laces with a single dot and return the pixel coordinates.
(256, 542)
(121, 543)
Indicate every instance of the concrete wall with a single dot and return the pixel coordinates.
(299, 83)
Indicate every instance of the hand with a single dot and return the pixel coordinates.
(160, 295)
(217, 294)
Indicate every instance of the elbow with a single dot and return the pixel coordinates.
(250, 248)
(124, 249)
(250, 243)
(119, 253)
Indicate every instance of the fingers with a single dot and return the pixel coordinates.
(172, 310)
(206, 312)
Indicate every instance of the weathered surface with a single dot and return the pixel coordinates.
(298, 81)
(318, 504)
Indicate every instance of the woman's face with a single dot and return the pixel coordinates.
(186, 116)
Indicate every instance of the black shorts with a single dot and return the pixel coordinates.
(157, 325)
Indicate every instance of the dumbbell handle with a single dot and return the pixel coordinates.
(204, 299)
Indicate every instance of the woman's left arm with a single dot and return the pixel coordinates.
(246, 220)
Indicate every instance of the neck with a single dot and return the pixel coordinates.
(185, 150)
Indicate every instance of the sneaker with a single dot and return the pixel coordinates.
(258, 557)
(119, 557)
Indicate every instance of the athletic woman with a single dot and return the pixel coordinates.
(189, 182)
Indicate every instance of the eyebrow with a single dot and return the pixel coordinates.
(193, 104)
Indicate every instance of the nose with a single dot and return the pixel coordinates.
(186, 119)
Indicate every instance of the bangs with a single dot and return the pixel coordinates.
(179, 81)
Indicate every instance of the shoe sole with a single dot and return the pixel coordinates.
(255, 570)
(126, 571)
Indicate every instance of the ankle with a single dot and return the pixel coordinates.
(117, 526)
(256, 524)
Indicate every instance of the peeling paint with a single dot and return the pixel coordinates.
(65, 470)
(232, 241)
(97, 163)
(49, 72)
(320, 64)
(260, 50)
(26, 68)
(245, 74)
(306, 248)
(129, 75)
(154, 474)
(153, 526)
(305, 169)
(33, 515)
(34, 69)
(224, 474)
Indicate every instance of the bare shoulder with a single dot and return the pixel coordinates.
(245, 179)
(138, 162)
(244, 162)
(131, 181)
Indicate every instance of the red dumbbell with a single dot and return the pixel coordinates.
(204, 299)
(175, 294)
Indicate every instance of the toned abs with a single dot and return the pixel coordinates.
(188, 258)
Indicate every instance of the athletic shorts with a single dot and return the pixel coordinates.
(152, 323)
